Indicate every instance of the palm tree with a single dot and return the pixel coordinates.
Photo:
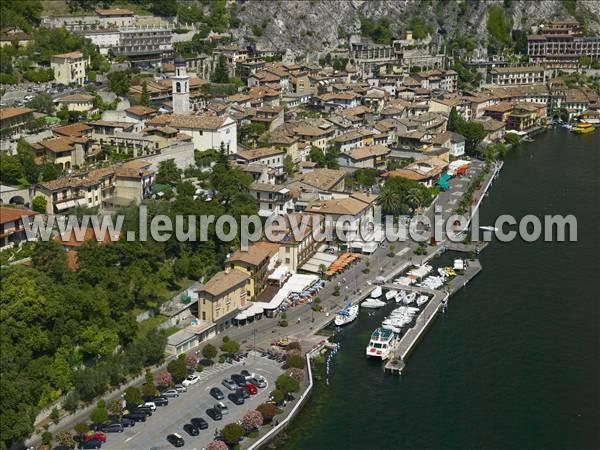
(414, 199)
(390, 201)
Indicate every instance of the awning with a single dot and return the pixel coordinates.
(61, 206)
(279, 273)
(82, 202)
(314, 264)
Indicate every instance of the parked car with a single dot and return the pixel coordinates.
(150, 405)
(143, 410)
(214, 414)
(259, 381)
(127, 422)
(191, 379)
(180, 388)
(206, 362)
(242, 393)
(199, 423)
(160, 401)
(176, 440)
(113, 428)
(236, 399)
(222, 407)
(240, 380)
(135, 416)
(229, 384)
(90, 444)
(97, 436)
(217, 393)
(191, 429)
(245, 374)
(250, 388)
(170, 393)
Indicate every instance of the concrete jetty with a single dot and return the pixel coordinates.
(409, 339)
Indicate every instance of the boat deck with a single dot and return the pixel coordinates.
(409, 339)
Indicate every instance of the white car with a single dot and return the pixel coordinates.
(150, 405)
(192, 379)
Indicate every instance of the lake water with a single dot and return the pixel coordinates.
(514, 362)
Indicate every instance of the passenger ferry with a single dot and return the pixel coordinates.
(383, 342)
(583, 128)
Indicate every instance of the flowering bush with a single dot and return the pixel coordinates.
(217, 445)
(163, 379)
(252, 420)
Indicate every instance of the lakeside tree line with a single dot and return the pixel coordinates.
(75, 332)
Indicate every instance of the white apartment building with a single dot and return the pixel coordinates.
(70, 68)
(511, 76)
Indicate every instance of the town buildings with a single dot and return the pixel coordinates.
(222, 297)
(510, 76)
(70, 68)
(12, 231)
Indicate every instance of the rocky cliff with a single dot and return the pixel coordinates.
(306, 28)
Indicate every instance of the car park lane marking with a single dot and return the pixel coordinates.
(130, 438)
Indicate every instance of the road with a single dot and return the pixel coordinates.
(171, 418)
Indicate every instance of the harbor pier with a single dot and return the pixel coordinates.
(409, 339)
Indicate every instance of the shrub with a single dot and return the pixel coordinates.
(163, 379)
(64, 438)
(55, 415)
(217, 445)
(209, 351)
(225, 339)
(283, 323)
(178, 369)
(295, 345)
(149, 390)
(81, 428)
(99, 415)
(71, 402)
(296, 374)
(232, 433)
(276, 395)
(191, 361)
(286, 383)
(46, 437)
(222, 359)
(295, 361)
(133, 396)
(199, 368)
(230, 346)
(252, 420)
(337, 291)
(268, 411)
(316, 308)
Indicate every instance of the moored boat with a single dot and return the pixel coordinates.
(383, 341)
(583, 128)
(372, 303)
(346, 315)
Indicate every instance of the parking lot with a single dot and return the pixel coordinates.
(194, 403)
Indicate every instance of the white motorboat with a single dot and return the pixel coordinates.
(422, 299)
(409, 298)
(382, 343)
(389, 326)
(442, 272)
(390, 294)
(346, 315)
(400, 296)
(372, 303)
(377, 292)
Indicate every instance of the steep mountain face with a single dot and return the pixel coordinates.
(306, 28)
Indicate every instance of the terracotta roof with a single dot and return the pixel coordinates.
(75, 129)
(491, 124)
(324, 179)
(223, 281)
(340, 206)
(69, 55)
(88, 179)
(140, 110)
(201, 122)
(70, 239)
(256, 253)
(7, 113)
(261, 152)
(446, 136)
(76, 98)
(368, 152)
(61, 143)
(12, 214)
(353, 135)
(500, 107)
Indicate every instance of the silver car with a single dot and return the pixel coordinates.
(259, 381)
(229, 384)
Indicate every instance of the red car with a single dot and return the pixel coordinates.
(97, 436)
(250, 388)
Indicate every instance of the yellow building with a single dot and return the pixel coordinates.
(222, 297)
(256, 261)
(70, 68)
(77, 102)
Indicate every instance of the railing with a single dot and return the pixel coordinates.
(292, 414)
